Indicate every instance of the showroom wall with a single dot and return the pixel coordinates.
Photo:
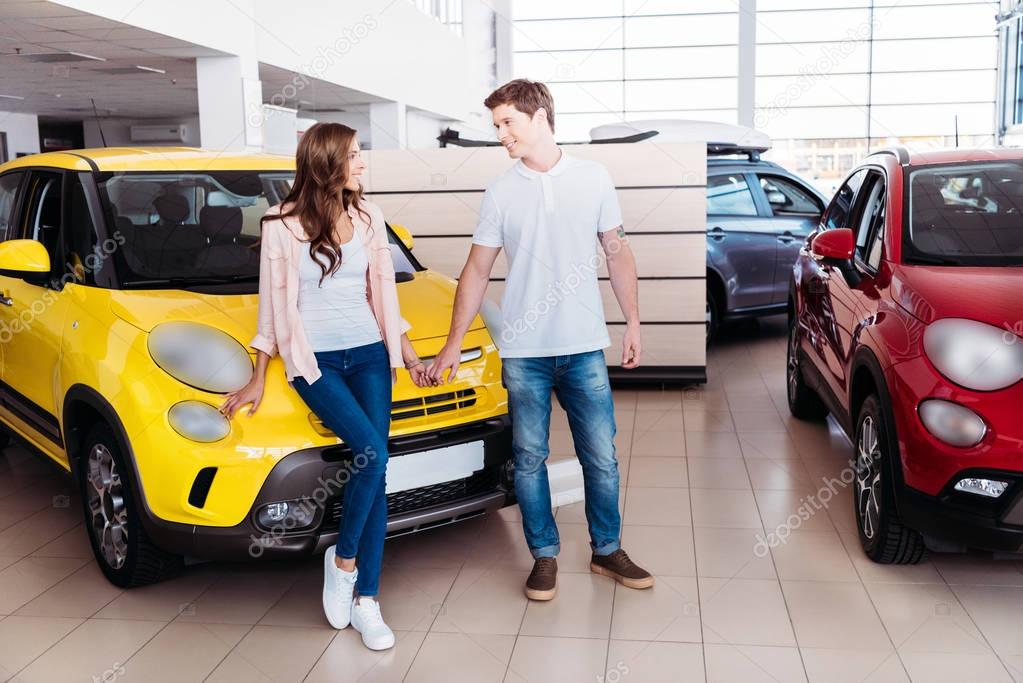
(22, 131)
(118, 131)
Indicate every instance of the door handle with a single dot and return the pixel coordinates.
(716, 233)
(6, 300)
(786, 237)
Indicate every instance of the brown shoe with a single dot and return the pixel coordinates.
(619, 567)
(543, 580)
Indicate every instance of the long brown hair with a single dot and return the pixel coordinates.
(321, 169)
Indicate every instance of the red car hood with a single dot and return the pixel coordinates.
(990, 295)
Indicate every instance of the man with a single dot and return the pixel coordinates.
(548, 212)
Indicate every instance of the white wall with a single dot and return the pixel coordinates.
(386, 48)
(118, 131)
(22, 132)
(422, 129)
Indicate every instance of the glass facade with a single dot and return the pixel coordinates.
(833, 78)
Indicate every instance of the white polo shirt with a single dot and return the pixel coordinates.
(548, 225)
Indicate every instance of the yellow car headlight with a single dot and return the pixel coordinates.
(198, 421)
(200, 356)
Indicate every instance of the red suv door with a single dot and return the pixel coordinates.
(840, 302)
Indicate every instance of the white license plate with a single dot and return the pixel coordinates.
(412, 470)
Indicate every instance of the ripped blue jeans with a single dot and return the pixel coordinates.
(581, 385)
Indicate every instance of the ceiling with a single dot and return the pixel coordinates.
(36, 38)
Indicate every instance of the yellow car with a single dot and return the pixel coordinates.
(128, 282)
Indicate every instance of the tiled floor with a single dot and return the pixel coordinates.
(706, 473)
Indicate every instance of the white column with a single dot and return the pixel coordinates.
(388, 128)
(747, 61)
(230, 103)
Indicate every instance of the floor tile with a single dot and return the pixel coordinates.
(97, 648)
(943, 667)
(925, 618)
(853, 666)
(767, 445)
(662, 551)
(481, 658)
(732, 553)
(658, 444)
(347, 656)
(557, 660)
(718, 473)
(834, 615)
(239, 596)
(503, 593)
(80, 595)
(744, 611)
(752, 663)
(653, 662)
(712, 445)
(725, 509)
(657, 472)
(162, 601)
(22, 639)
(813, 556)
(29, 577)
(275, 653)
(670, 611)
(581, 609)
(184, 652)
(657, 507)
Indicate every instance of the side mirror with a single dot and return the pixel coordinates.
(22, 258)
(833, 245)
(403, 234)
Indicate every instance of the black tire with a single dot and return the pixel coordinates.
(123, 551)
(804, 403)
(884, 538)
(713, 316)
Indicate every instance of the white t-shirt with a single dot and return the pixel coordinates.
(548, 225)
(336, 315)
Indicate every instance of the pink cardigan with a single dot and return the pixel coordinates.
(280, 324)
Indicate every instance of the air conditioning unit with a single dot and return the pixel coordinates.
(173, 132)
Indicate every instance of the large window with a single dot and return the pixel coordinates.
(833, 78)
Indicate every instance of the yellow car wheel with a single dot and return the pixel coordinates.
(125, 554)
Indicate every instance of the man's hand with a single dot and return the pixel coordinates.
(632, 347)
(449, 358)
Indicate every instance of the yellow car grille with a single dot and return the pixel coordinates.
(451, 404)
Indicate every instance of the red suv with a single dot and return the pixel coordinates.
(906, 323)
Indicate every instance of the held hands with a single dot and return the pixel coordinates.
(250, 393)
(448, 359)
(420, 375)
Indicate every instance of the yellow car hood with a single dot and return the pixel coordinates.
(426, 302)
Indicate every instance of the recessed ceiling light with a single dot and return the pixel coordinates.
(57, 57)
(150, 68)
(12, 97)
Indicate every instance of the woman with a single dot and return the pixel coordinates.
(328, 304)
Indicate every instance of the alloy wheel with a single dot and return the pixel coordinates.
(868, 477)
(107, 510)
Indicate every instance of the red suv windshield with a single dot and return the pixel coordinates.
(968, 214)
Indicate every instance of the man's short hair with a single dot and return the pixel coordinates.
(526, 96)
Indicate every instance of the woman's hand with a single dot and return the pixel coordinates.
(250, 393)
(419, 375)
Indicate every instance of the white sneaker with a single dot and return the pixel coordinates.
(366, 620)
(338, 589)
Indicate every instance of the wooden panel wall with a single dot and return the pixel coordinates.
(436, 194)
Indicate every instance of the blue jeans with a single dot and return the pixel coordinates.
(581, 385)
(353, 398)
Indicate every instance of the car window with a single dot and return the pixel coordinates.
(729, 195)
(868, 208)
(787, 197)
(839, 212)
(80, 241)
(8, 199)
(43, 218)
